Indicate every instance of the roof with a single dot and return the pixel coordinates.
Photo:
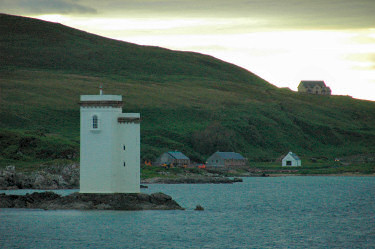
(229, 155)
(295, 157)
(178, 155)
(312, 83)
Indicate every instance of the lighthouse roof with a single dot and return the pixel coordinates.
(101, 101)
(101, 98)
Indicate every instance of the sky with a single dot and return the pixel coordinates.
(282, 41)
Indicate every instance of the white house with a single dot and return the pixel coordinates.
(110, 146)
(291, 159)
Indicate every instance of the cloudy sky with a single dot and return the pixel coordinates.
(282, 41)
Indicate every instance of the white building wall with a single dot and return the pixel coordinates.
(102, 154)
(127, 178)
(290, 158)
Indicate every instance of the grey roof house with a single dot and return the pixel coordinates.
(314, 87)
(226, 159)
(291, 159)
(176, 158)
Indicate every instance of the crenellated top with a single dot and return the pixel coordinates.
(122, 120)
(125, 118)
(101, 101)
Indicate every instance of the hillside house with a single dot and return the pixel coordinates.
(291, 159)
(226, 159)
(175, 158)
(314, 87)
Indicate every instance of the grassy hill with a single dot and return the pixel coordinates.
(188, 101)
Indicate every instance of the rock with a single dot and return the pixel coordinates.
(237, 179)
(50, 200)
(199, 208)
(52, 177)
(160, 197)
(3, 183)
(10, 169)
(39, 181)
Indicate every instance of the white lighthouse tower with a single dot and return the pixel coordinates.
(110, 146)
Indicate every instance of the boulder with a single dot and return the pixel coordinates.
(199, 208)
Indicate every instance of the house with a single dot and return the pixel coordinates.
(175, 158)
(226, 159)
(109, 146)
(314, 87)
(291, 159)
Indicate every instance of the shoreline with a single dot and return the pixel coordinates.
(192, 180)
(335, 174)
(67, 177)
(78, 201)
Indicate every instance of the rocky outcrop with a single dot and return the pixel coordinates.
(51, 200)
(199, 208)
(192, 180)
(67, 177)
(52, 177)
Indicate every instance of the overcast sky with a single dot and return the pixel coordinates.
(282, 41)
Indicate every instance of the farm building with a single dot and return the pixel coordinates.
(226, 159)
(175, 158)
(291, 159)
(314, 87)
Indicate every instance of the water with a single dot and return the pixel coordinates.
(272, 212)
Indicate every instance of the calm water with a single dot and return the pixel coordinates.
(282, 212)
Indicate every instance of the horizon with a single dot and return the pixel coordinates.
(283, 43)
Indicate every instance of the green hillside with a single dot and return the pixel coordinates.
(188, 101)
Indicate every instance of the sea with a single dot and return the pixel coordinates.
(260, 212)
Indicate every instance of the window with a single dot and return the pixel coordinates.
(289, 163)
(124, 164)
(95, 122)
(123, 147)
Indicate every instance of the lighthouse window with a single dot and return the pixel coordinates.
(95, 122)
(124, 147)
(124, 164)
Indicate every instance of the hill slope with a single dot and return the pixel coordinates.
(188, 101)
(34, 44)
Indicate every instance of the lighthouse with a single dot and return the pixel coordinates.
(110, 146)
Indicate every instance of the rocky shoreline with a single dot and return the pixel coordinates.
(78, 201)
(192, 180)
(52, 177)
(67, 177)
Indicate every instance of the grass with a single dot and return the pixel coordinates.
(29, 149)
